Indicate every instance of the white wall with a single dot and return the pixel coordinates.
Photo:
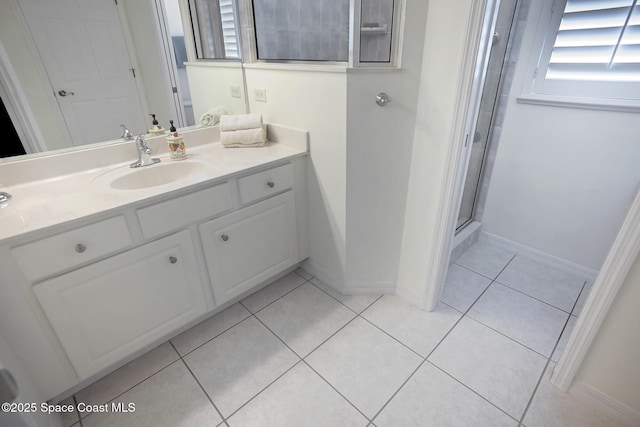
(211, 87)
(315, 101)
(611, 365)
(564, 178)
(379, 144)
(444, 46)
(14, 39)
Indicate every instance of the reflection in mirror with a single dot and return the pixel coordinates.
(376, 23)
(302, 30)
(215, 28)
(72, 71)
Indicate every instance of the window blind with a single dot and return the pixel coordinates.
(229, 29)
(598, 40)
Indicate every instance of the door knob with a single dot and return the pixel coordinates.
(63, 92)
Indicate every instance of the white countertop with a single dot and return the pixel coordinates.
(41, 203)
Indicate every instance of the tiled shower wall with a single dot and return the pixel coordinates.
(302, 29)
(374, 46)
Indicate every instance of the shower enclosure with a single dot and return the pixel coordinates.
(490, 115)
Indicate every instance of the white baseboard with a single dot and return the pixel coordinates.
(589, 274)
(411, 296)
(316, 272)
(368, 288)
(606, 404)
(351, 288)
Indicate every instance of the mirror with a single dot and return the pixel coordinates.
(77, 69)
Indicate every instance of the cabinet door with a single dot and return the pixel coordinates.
(249, 246)
(108, 310)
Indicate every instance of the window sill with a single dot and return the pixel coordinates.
(337, 67)
(605, 104)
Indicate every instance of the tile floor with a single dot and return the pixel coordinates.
(297, 353)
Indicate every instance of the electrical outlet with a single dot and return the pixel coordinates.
(235, 91)
(260, 95)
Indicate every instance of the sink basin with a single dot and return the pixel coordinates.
(160, 174)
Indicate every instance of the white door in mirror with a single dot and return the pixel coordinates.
(83, 50)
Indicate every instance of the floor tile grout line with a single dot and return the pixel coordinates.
(295, 271)
(475, 272)
(312, 351)
(133, 386)
(337, 391)
(200, 385)
(392, 337)
(360, 315)
(472, 390)
(513, 339)
(275, 300)
(264, 388)
(395, 393)
(531, 296)
(425, 359)
(75, 402)
(345, 295)
(546, 366)
(584, 285)
(214, 337)
(243, 319)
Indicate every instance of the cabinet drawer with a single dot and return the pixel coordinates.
(181, 211)
(265, 183)
(106, 311)
(65, 250)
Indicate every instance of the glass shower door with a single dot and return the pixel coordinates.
(484, 128)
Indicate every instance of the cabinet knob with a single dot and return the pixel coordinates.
(80, 248)
(271, 184)
(224, 237)
(173, 259)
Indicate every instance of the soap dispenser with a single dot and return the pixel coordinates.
(155, 128)
(176, 144)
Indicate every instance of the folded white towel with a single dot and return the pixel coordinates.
(212, 117)
(243, 138)
(240, 122)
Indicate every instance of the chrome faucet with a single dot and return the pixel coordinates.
(126, 134)
(144, 154)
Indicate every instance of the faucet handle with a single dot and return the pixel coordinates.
(126, 134)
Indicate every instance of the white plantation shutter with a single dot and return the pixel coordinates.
(229, 29)
(593, 50)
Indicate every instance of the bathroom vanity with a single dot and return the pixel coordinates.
(101, 262)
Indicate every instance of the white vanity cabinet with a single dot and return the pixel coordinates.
(106, 311)
(247, 247)
(81, 297)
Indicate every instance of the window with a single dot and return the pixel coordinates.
(320, 30)
(590, 54)
(215, 31)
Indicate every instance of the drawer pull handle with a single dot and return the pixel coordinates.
(224, 237)
(173, 259)
(271, 184)
(80, 248)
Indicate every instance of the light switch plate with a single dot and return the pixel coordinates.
(260, 94)
(235, 91)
